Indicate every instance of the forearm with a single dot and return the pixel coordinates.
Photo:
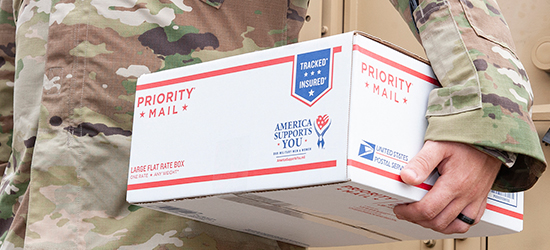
(486, 97)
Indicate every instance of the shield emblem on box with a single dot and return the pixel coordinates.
(312, 76)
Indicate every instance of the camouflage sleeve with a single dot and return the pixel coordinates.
(486, 96)
(7, 71)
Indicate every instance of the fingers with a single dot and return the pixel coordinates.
(444, 220)
(473, 211)
(466, 176)
(422, 164)
(414, 173)
(437, 209)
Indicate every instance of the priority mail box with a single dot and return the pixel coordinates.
(301, 143)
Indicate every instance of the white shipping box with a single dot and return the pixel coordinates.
(301, 143)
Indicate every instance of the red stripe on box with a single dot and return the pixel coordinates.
(234, 175)
(396, 65)
(504, 211)
(216, 73)
(381, 172)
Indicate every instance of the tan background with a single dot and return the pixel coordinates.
(530, 25)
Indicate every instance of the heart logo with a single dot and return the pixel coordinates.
(322, 121)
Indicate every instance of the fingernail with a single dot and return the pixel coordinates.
(398, 216)
(411, 173)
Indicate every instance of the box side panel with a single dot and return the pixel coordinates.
(271, 119)
(389, 98)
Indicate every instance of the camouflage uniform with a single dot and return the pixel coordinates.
(486, 97)
(75, 67)
(74, 70)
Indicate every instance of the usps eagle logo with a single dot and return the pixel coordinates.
(321, 126)
(312, 76)
(367, 150)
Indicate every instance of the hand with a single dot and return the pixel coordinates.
(467, 175)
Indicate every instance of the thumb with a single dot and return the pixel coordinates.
(422, 164)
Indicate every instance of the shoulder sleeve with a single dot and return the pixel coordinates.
(486, 96)
(7, 72)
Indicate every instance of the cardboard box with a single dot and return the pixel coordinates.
(301, 143)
